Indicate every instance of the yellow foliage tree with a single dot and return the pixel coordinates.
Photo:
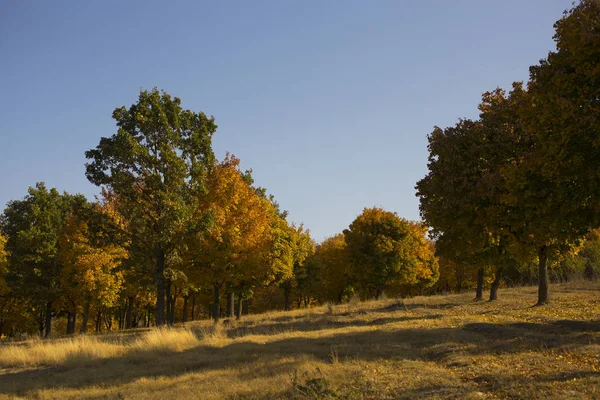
(333, 276)
(240, 233)
(91, 270)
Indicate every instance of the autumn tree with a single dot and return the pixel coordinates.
(385, 249)
(239, 233)
(156, 163)
(111, 229)
(333, 269)
(90, 272)
(301, 246)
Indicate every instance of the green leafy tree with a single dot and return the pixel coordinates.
(385, 249)
(292, 248)
(565, 115)
(156, 164)
(452, 204)
(555, 185)
(32, 227)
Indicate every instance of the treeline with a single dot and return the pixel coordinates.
(519, 186)
(176, 235)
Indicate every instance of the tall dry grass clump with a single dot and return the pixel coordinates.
(39, 352)
(165, 339)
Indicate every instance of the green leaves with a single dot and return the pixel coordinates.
(155, 165)
(384, 248)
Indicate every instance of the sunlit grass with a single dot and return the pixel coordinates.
(424, 347)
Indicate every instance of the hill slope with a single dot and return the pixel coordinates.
(425, 347)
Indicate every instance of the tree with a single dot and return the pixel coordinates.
(239, 234)
(449, 201)
(384, 249)
(156, 163)
(33, 226)
(302, 247)
(556, 185)
(529, 214)
(565, 91)
(91, 270)
(333, 269)
(591, 255)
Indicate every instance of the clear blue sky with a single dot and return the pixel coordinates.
(330, 102)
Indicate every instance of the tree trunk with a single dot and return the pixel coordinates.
(108, 321)
(99, 320)
(379, 292)
(169, 301)
(245, 306)
(193, 306)
(239, 308)
(48, 324)
(458, 287)
(287, 293)
(160, 288)
(41, 323)
(121, 318)
(216, 315)
(172, 312)
(479, 290)
(185, 307)
(129, 313)
(70, 323)
(230, 305)
(544, 284)
(495, 284)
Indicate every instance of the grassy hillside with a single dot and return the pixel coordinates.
(425, 347)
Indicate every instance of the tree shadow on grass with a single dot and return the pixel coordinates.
(409, 305)
(318, 323)
(399, 344)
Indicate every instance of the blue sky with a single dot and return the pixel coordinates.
(329, 102)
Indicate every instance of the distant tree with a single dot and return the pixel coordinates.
(331, 279)
(590, 254)
(384, 249)
(301, 246)
(156, 164)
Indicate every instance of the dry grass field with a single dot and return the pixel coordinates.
(422, 348)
